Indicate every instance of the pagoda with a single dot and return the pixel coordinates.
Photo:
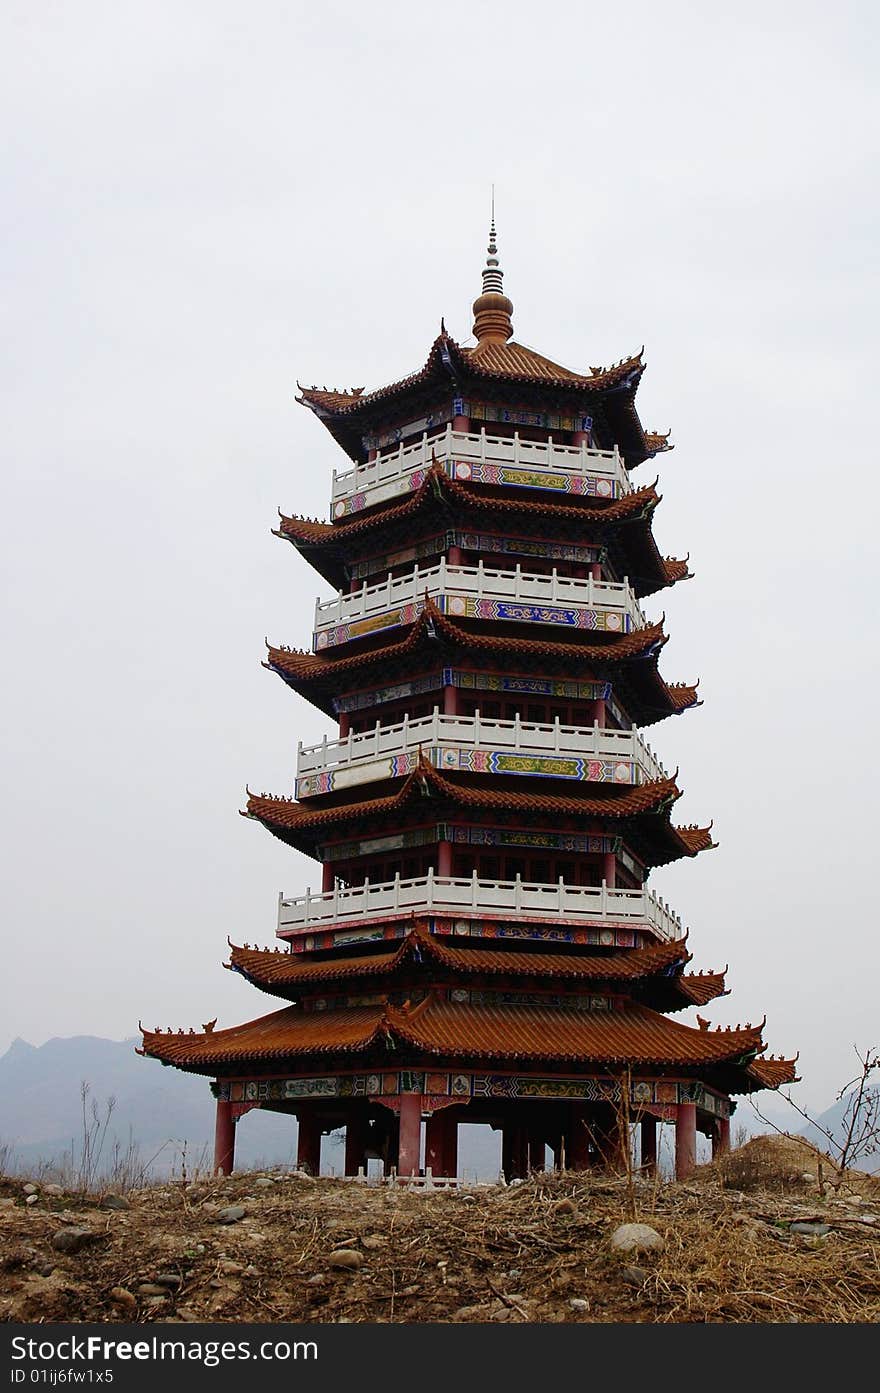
(485, 946)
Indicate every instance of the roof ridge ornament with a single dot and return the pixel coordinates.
(492, 309)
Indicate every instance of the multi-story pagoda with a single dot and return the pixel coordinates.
(485, 946)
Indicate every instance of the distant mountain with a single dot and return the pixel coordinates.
(160, 1108)
(835, 1121)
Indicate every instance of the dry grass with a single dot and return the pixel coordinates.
(494, 1254)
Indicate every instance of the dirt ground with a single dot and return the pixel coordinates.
(537, 1251)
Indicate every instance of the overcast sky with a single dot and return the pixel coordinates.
(204, 202)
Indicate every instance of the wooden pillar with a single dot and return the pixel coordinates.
(224, 1138)
(609, 869)
(328, 877)
(450, 700)
(685, 1140)
(599, 712)
(507, 1151)
(308, 1145)
(410, 1134)
(355, 1143)
(462, 423)
(648, 1144)
(444, 858)
(596, 570)
(454, 557)
(344, 724)
(720, 1137)
(514, 1150)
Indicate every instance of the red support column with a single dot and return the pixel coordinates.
(609, 869)
(344, 724)
(685, 1140)
(454, 557)
(462, 423)
(507, 1151)
(444, 858)
(328, 878)
(720, 1137)
(308, 1146)
(596, 570)
(450, 700)
(648, 1130)
(410, 1134)
(224, 1138)
(599, 712)
(514, 1150)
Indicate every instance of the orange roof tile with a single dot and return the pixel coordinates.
(634, 1035)
(512, 362)
(618, 801)
(275, 969)
(284, 1033)
(640, 503)
(702, 987)
(299, 824)
(597, 647)
(657, 442)
(773, 1073)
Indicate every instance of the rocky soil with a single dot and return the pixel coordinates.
(759, 1237)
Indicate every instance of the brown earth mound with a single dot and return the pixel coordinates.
(735, 1248)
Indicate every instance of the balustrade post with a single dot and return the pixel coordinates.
(430, 888)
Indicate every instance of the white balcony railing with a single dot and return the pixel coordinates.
(464, 583)
(624, 755)
(469, 895)
(602, 471)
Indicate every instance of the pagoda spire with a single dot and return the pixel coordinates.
(492, 309)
